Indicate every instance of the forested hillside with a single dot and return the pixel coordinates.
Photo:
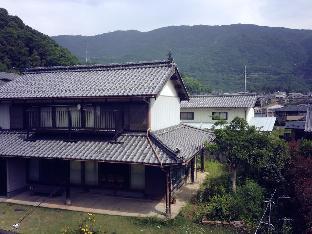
(22, 46)
(276, 58)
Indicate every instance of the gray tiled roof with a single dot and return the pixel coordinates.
(295, 108)
(225, 101)
(184, 140)
(6, 77)
(132, 79)
(128, 148)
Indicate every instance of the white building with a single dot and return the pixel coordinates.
(204, 111)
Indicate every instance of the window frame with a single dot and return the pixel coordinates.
(218, 113)
(187, 113)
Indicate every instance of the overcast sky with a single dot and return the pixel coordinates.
(90, 17)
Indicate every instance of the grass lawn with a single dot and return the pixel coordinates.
(44, 220)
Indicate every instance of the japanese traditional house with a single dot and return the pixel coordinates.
(97, 126)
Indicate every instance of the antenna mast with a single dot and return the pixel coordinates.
(245, 79)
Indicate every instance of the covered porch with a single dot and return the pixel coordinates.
(102, 202)
(100, 187)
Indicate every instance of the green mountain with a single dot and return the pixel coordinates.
(276, 58)
(22, 46)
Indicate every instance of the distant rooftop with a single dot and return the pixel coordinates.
(293, 108)
(220, 101)
(305, 124)
(113, 80)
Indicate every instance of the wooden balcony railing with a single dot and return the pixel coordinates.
(74, 119)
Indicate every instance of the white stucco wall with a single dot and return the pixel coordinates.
(16, 174)
(204, 115)
(250, 114)
(165, 109)
(4, 116)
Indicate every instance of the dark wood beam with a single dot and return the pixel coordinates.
(202, 160)
(193, 170)
(168, 192)
(67, 195)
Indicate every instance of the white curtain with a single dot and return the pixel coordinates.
(46, 117)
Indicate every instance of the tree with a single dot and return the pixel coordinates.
(194, 86)
(23, 47)
(261, 155)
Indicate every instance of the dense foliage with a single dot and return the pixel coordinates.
(194, 86)
(216, 201)
(300, 178)
(259, 155)
(22, 47)
(305, 148)
(276, 58)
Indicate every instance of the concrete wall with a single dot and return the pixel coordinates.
(16, 175)
(4, 116)
(165, 109)
(204, 115)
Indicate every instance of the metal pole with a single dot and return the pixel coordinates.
(245, 79)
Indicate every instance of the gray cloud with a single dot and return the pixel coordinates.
(89, 17)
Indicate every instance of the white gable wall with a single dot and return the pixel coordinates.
(250, 114)
(164, 111)
(4, 116)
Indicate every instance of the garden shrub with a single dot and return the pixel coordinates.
(245, 204)
(306, 148)
(223, 207)
(250, 199)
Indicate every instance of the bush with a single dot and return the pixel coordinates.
(250, 199)
(306, 148)
(245, 205)
(223, 207)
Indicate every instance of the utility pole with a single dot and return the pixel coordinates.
(245, 79)
(86, 54)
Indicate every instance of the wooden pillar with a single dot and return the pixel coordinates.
(193, 170)
(68, 201)
(168, 193)
(202, 160)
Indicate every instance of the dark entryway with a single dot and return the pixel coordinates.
(52, 172)
(114, 175)
(3, 177)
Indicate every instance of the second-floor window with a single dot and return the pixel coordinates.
(219, 115)
(187, 115)
(78, 117)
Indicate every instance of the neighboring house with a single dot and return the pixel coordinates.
(203, 111)
(114, 127)
(290, 113)
(268, 111)
(300, 129)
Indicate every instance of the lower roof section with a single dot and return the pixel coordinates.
(174, 145)
(263, 124)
